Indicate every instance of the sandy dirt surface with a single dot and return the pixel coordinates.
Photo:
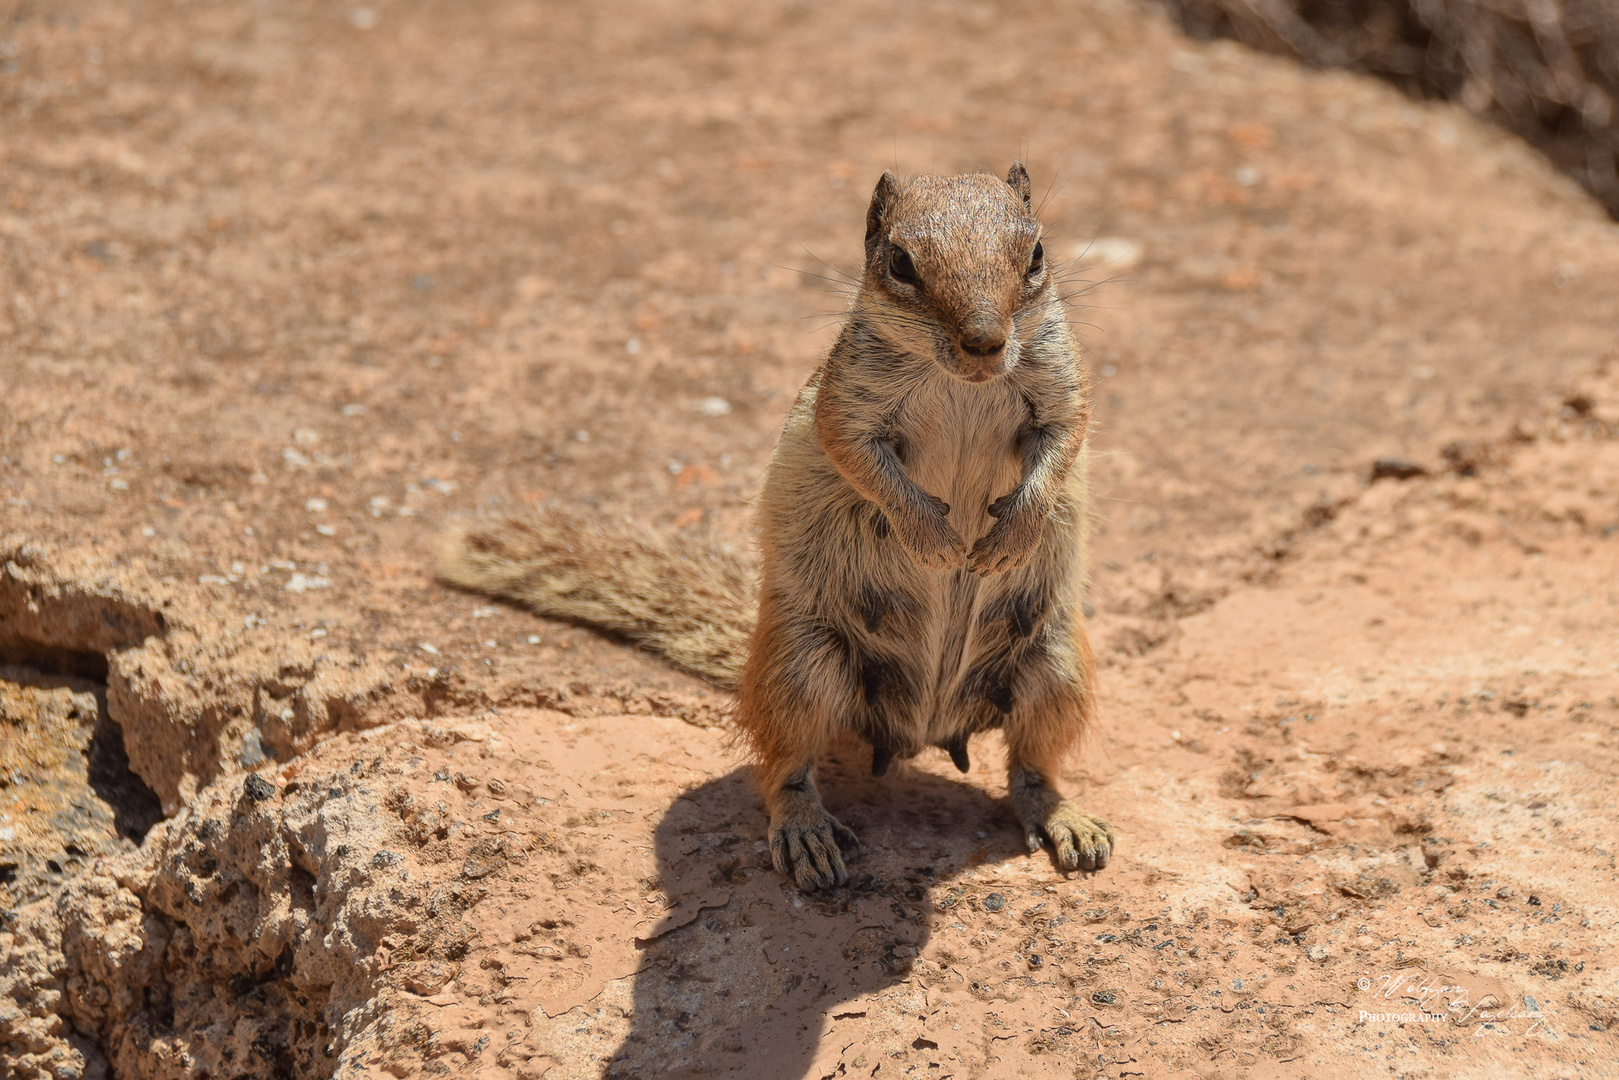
(286, 288)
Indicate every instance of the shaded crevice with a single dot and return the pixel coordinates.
(135, 807)
(67, 633)
(51, 659)
(53, 734)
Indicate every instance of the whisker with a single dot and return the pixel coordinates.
(842, 288)
(846, 277)
(1052, 188)
(897, 319)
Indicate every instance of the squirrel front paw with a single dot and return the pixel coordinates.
(930, 538)
(1012, 540)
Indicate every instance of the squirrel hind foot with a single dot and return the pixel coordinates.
(1079, 841)
(808, 844)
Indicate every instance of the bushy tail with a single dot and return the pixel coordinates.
(696, 606)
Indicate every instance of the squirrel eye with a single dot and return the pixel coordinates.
(900, 265)
(1038, 259)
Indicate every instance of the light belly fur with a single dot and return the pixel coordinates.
(966, 453)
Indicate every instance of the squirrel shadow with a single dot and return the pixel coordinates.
(745, 972)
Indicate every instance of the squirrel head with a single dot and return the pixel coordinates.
(951, 263)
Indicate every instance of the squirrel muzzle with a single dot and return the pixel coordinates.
(982, 349)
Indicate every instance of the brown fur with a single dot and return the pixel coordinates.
(954, 405)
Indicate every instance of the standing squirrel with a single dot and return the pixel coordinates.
(922, 526)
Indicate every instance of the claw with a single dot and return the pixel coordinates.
(998, 507)
(845, 837)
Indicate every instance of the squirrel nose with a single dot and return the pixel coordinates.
(983, 341)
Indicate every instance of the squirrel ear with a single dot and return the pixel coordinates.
(882, 200)
(1018, 178)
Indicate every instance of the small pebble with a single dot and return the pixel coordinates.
(1111, 252)
(257, 788)
(714, 406)
(298, 583)
(994, 902)
(1396, 469)
(252, 753)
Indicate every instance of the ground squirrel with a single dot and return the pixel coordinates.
(922, 529)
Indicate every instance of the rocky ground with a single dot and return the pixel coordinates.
(286, 288)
